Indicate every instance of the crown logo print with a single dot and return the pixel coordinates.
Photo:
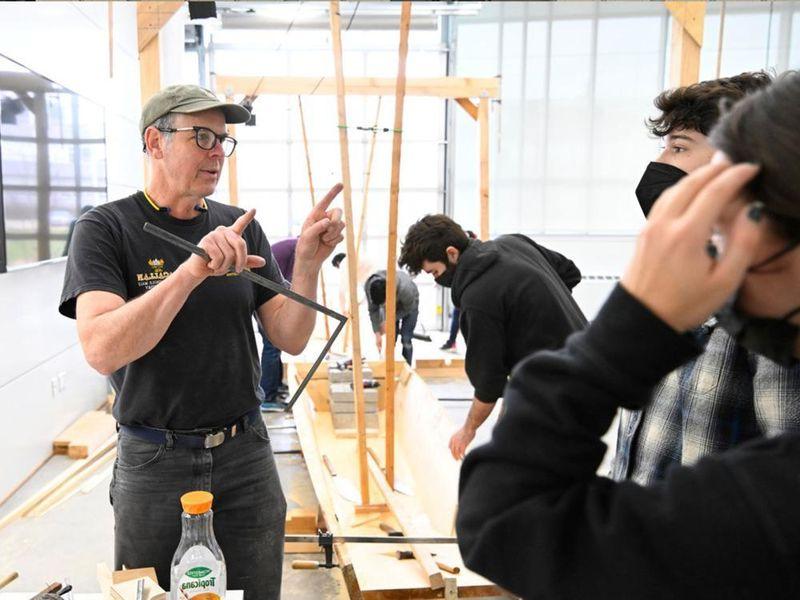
(157, 264)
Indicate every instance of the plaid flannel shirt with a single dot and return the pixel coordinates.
(724, 397)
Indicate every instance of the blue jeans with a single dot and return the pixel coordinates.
(249, 506)
(271, 369)
(454, 323)
(405, 328)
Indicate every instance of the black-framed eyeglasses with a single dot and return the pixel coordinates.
(206, 138)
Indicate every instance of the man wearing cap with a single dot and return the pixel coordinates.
(174, 333)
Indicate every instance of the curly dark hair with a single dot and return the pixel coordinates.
(764, 128)
(698, 106)
(428, 239)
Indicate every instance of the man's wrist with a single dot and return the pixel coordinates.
(185, 275)
(305, 268)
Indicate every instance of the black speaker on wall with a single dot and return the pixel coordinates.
(202, 10)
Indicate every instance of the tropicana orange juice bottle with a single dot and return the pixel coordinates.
(198, 567)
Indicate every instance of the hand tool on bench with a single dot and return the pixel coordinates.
(344, 487)
(270, 285)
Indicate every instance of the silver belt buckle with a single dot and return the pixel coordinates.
(212, 440)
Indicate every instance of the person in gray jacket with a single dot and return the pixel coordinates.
(406, 313)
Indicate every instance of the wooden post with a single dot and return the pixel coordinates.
(687, 40)
(352, 260)
(313, 204)
(367, 176)
(233, 171)
(391, 261)
(483, 123)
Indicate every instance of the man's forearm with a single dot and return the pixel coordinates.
(295, 322)
(478, 413)
(116, 338)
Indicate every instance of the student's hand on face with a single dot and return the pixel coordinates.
(671, 272)
(459, 442)
(226, 249)
(321, 232)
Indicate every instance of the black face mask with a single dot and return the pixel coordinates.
(772, 338)
(657, 178)
(446, 278)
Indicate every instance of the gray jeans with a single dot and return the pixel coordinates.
(249, 506)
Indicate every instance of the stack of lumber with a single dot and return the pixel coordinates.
(342, 399)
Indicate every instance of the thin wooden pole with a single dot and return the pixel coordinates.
(391, 261)
(352, 261)
(313, 204)
(233, 171)
(367, 176)
(110, 39)
(483, 122)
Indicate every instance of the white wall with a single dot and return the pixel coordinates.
(45, 383)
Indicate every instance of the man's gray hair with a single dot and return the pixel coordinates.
(166, 121)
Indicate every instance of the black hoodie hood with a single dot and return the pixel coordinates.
(476, 258)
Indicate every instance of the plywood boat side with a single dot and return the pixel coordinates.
(423, 463)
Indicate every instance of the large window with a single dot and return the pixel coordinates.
(52, 164)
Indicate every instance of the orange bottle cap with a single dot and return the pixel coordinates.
(196, 503)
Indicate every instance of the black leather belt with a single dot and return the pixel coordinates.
(202, 438)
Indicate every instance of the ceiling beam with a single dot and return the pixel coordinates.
(438, 87)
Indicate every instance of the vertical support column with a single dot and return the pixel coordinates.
(352, 259)
(233, 171)
(483, 125)
(313, 204)
(391, 260)
(687, 40)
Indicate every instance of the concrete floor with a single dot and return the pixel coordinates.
(66, 543)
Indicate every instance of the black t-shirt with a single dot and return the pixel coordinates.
(205, 371)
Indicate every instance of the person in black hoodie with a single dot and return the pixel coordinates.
(534, 516)
(514, 296)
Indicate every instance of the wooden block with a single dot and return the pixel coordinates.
(128, 574)
(317, 390)
(85, 435)
(301, 520)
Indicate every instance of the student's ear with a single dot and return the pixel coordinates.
(452, 254)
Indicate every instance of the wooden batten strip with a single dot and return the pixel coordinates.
(391, 259)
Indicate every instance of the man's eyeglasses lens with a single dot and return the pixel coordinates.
(206, 139)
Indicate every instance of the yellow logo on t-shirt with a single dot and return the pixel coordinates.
(157, 264)
(156, 274)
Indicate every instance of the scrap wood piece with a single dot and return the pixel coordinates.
(85, 435)
(54, 484)
(422, 556)
(8, 578)
(72, 486)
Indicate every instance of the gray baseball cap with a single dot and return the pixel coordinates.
(188, 99)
